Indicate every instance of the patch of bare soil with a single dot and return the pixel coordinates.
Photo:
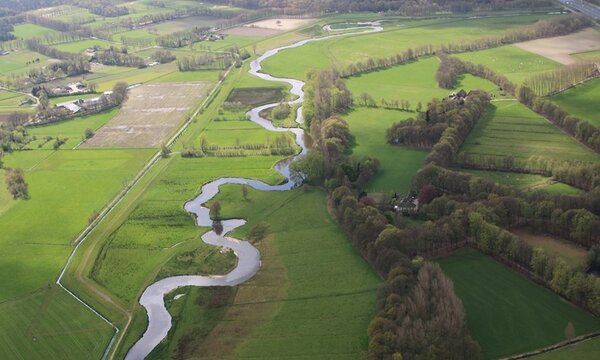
(560, 48)
(149, 116)
(251, 31)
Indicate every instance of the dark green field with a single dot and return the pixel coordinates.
(506, 313)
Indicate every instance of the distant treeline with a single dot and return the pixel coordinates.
(104, 8)
(413, 7)
(557, 26)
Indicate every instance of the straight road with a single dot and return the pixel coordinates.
(583, 7)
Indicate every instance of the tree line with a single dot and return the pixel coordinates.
(326, 95)
(104, 8)
(119, 57)
(205, 61)
(553, 82)
(451, 68)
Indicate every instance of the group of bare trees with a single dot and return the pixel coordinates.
(205, 61)
(553, 82)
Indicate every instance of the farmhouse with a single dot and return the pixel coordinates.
(408, 203)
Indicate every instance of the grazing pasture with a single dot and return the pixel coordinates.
(80, 46)
(582, 101)
(150, 114)
(561, 48)
(574, 255)
(506, 313)
(511, 61)
(398, 164)
(511, 129)
(21, 61)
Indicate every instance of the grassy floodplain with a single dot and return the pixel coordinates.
(506, 313)
(582, 101)
(511, 129)
(396, 38)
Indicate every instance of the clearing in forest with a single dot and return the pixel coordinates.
(560, 48)
(573, 254)
(149, 115)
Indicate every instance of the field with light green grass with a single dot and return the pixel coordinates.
(514, 63)
(17, 62)
(511, 129)
(588, 55)
(506, 313)
(403, 35)
(582, 101)
(28, 31)
(65, 188)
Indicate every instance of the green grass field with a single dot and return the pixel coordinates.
(510, 128)
(514, 63)
(582, 101)
(588, 55)
(51, 324)
(589, 349)
(28, 31)
(17, 62)
(506, 313)
(404, 34)
(398, 164)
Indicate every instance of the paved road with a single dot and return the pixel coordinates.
(583, 7)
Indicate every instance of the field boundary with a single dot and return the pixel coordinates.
(554, 347)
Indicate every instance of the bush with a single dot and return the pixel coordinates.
(281, 111)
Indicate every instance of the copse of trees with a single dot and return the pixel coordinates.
(15, 183)
(205, 61)
(116, 57)
(444, 125)
(326, 94)
(163, 56)
(182, 38)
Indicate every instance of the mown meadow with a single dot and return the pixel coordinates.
(582, 101)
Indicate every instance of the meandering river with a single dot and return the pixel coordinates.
(152, 299)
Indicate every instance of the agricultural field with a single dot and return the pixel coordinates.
(562, 48)
(510, 129)
(511, 61)
(582, 101)
(574, 255)
(80, 46)
(151, 113)
(398, 165)
(394, 39)
(506, 313)
(588, 55)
